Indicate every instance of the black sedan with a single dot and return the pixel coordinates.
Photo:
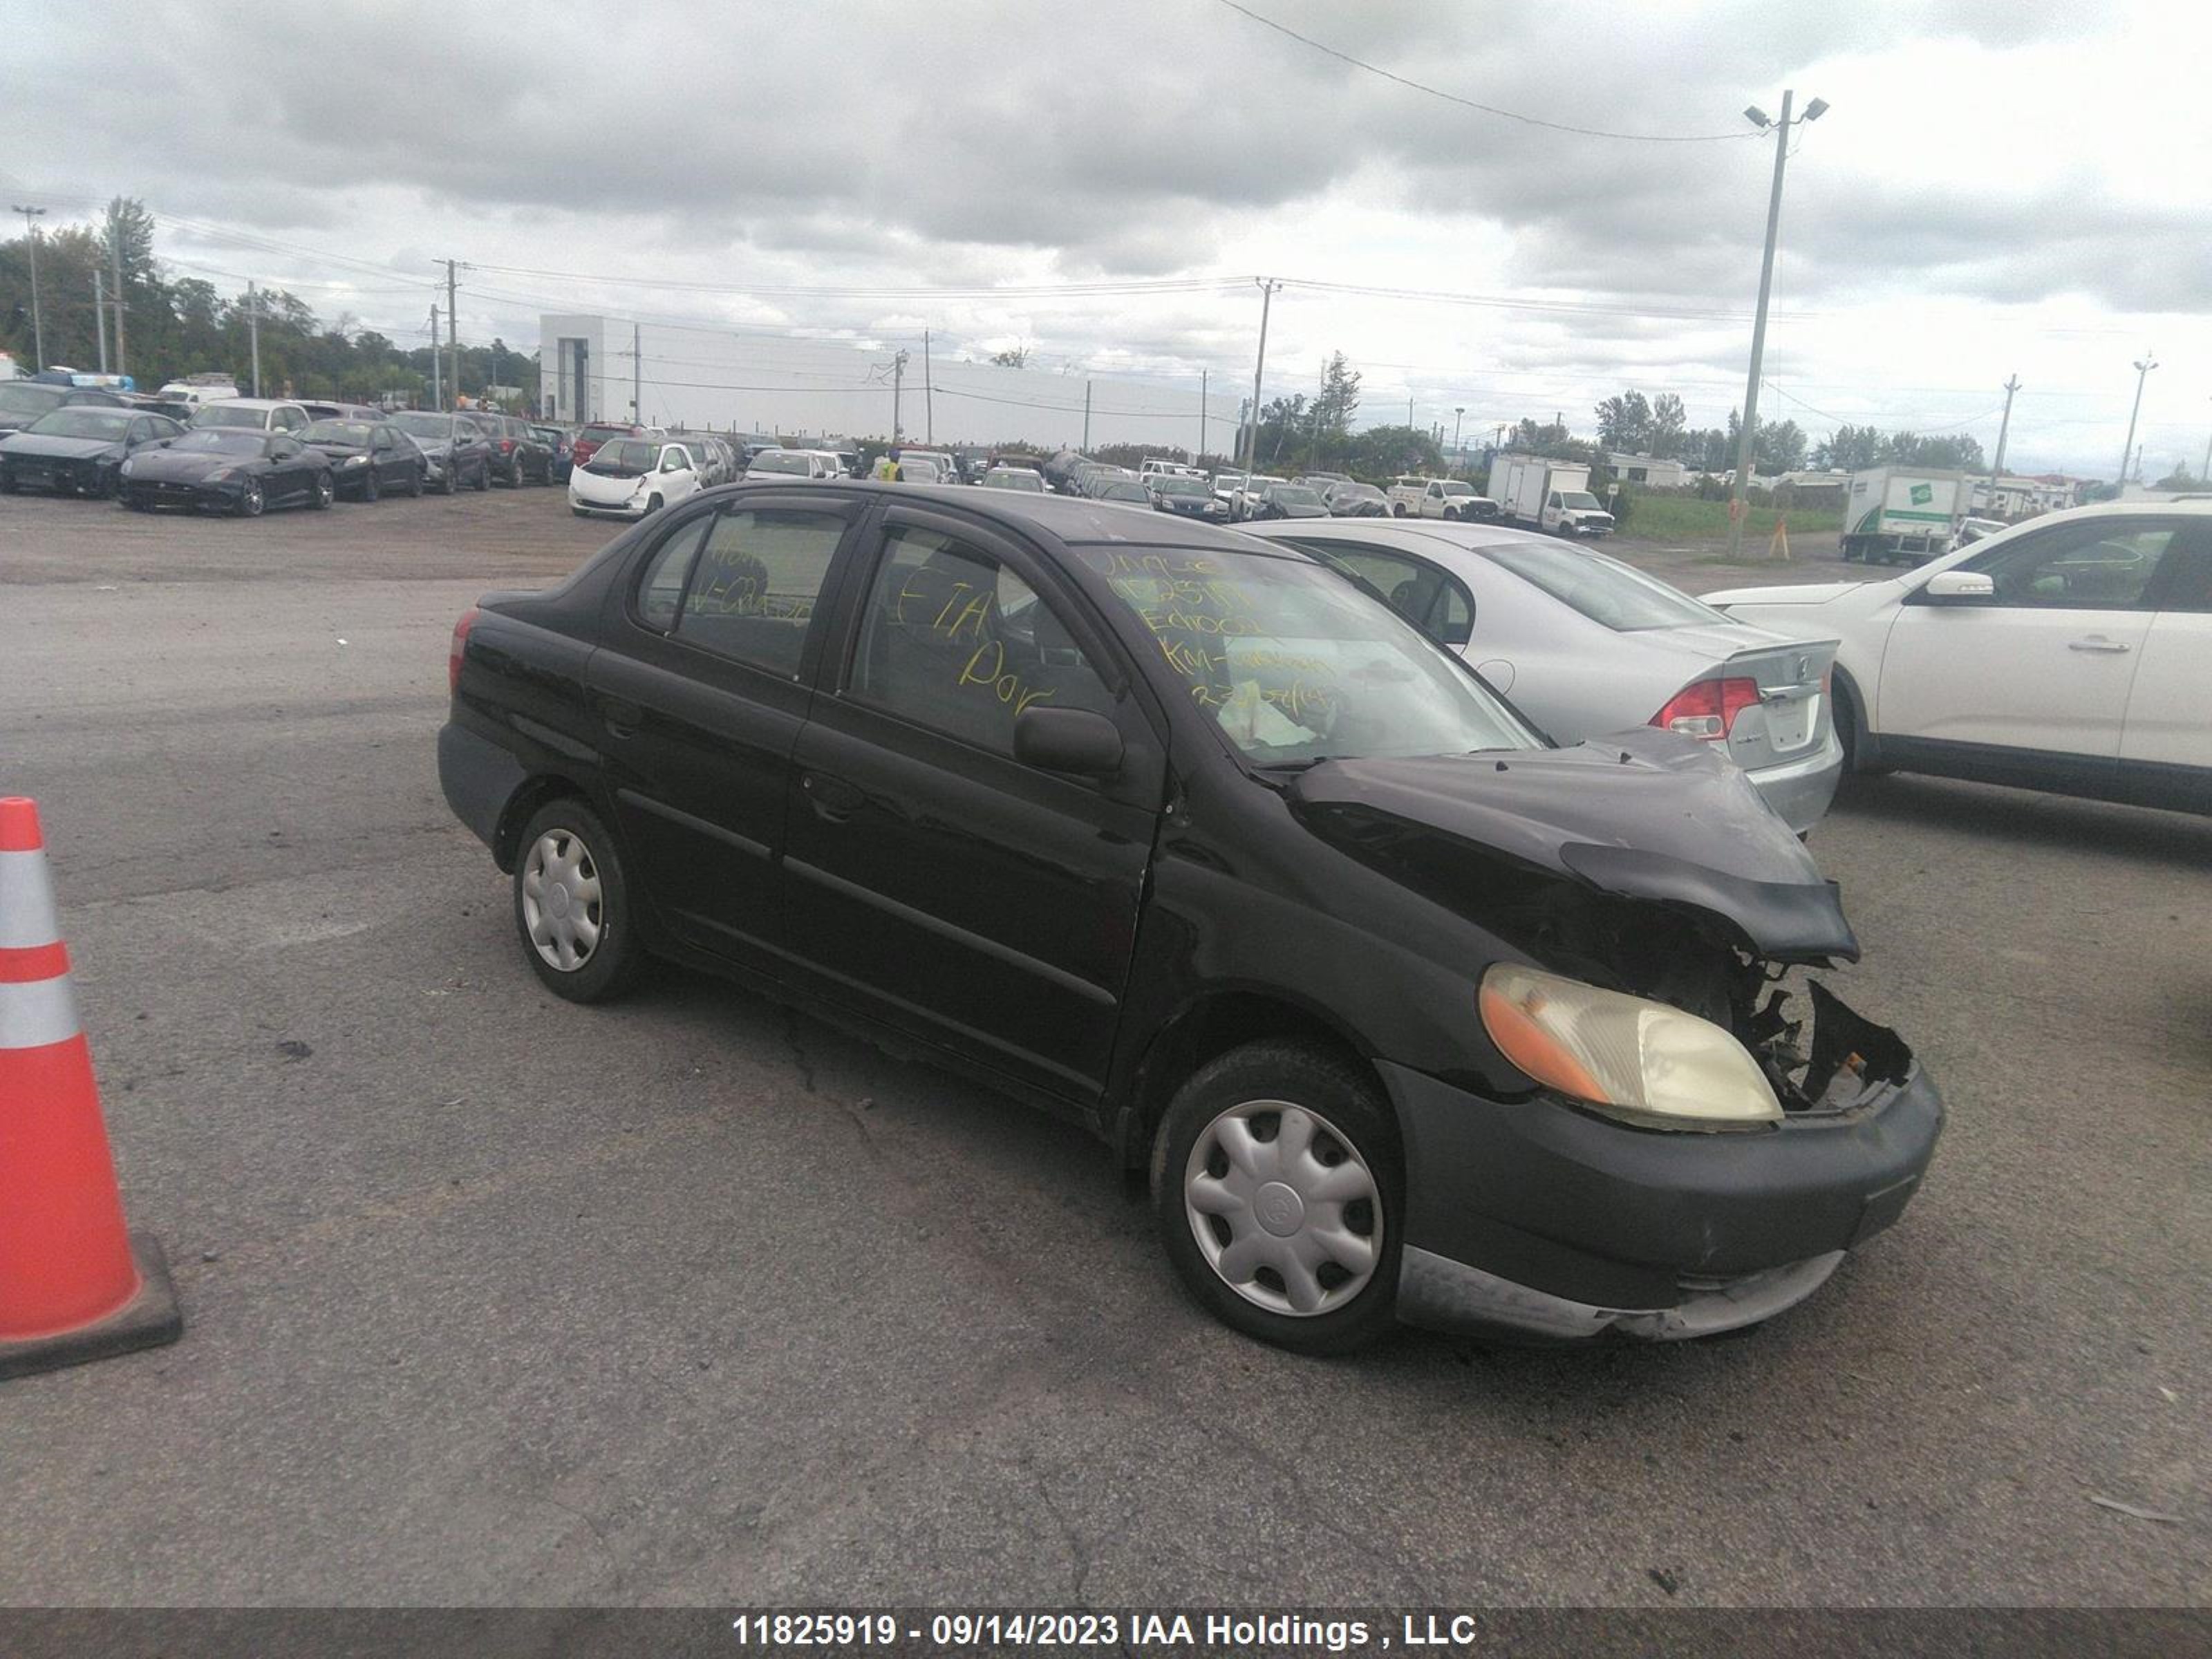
(1285, 500)
(1408, 1013)
(1193, 498)
(228, 469)
(22, 402)
(560, 452)
(79, 449)
(459, 451)
(369, 457)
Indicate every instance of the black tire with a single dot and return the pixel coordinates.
(514, 473)
(251, 501)
(322, 493)
(415, 482)
(616, 957)
(1355, 1117)
(1397, 510)
(653, 505)
(578, 512)
(484, 476)
(371, 491)
(451, 486)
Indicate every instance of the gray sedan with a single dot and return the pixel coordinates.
(1585, 645)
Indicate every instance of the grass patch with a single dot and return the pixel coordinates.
(1659, 518)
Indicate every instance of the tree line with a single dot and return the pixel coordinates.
(176, 325)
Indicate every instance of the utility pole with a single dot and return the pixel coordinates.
(1459, 455)
(30, 217)
(115, 258)
(1267, 287)
(1199, 458)
(898, 384)
(451, 330)
(437, 381)
(1086, 417)
(1409, 411)
(2004, 430)
(254, 332)
(2144, 364)
(2205, 475)
(929, 397)
(1737, 491)
(100, 317)
(636, 372)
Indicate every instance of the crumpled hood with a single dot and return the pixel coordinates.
(1641, 813)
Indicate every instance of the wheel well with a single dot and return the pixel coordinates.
(507, 843)
(1204, 1031)
(1852, 705)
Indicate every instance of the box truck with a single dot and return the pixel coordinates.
(1904, 514)
(1554, 496)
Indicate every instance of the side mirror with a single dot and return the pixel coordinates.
(1073, 740)
(1958, 587)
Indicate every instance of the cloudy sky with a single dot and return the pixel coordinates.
(1999, 187)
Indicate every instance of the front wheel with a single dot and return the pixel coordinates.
(415, 482)
(1279, 1188)
(322, 494)
(370, 489)
(572, 905)
(250, 500)
(483, 477)
(451, 484)
(514, 473)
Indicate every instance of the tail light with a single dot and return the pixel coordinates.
(1707, 708)
(506, 445)
(461, 649)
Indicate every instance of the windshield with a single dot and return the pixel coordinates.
(231, 414)
(1578, 498)
(1296, 664)
(416, 424)
(31, 399)
(1121, 490)
(912, 469)
(1355, 492)
(215, 441)
(781, 461)
(1189, 489)
(81, 423)
(626, 458)
(1603, 588)
(1014, 478)
(356, 433)
(1294, 496)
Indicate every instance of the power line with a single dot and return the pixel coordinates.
(1487, 109)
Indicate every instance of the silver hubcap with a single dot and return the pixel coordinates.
(561, 900)
(1283, 1207)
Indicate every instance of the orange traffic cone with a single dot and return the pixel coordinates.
(74, 1285)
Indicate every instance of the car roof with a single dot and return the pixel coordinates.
(1073, 520)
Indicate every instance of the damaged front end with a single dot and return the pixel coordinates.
(1688, 1131)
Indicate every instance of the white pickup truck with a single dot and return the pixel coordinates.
(1437, 498)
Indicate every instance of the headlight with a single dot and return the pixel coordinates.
(356, 460)
(1643, 1061)
(221, 475)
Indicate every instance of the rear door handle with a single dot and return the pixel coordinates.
(2097, 642)
(832, 797)
(621, 717)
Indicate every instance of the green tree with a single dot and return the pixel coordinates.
(1624, 421)
(1668, 426)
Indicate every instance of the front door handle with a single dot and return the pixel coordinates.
(620, 716)
(2097, 642)
(832, 797)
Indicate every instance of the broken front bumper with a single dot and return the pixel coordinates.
(1538, 1219)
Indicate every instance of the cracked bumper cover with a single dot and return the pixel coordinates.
(1536, 1219)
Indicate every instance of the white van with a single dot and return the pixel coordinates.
(199, 389)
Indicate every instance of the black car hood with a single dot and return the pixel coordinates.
(334, 447)
(185, 466)
(1641, 814)
(49, 446)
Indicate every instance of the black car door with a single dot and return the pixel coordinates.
(708, 647)
(384, 459)
(935, 882)
(288, 474)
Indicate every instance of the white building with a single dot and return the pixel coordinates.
(593, 367)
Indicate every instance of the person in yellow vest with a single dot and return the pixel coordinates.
(887, 469)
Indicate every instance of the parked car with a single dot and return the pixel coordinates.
(457, 450)
(1024, 479)
(1586, 645)
(940, 459)
(1351, 499)
(919, 469)
(320, 411)
(1409, 1013)
(631, 477)
(22, 402)
(1449, 498)
(1027, 462)
(367, 457)
(849, 461)
(595, 433)
(228, 469)
(518, 455)
(1127, 491)
(560, 451)
(2072, 653)
(253, 415)
(811, 465)
(1284, 501)
(1192, 497)
(78, 449)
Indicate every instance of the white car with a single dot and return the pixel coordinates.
(1585, 645)
(809, 464)
(254, 414)
(629, 477)
(2072, 653)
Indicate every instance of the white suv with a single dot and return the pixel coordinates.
(2072, 653)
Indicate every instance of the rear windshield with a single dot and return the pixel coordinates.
(1294, 496)
(1603, 588)
(84, 424)
(356, 433)
(1297, 664)
(629, 458)
(600, 434)
(781, 461)
(31, 399)
(1173, 484)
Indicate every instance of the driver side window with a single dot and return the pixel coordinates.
(2108, 564)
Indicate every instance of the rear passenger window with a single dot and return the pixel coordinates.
(743, 584)
(954, 641)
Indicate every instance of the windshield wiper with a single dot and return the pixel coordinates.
(1295, 765)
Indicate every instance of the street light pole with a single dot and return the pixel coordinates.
(2144, 364)
(1738, 490)
(30, 217)
(1458, 457)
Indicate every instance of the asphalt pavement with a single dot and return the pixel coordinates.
(492, 1299)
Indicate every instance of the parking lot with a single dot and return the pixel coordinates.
(493, 1299)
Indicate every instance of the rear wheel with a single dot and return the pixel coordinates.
(1279, 1188)
(514, 473)
(484, 476)
(572, 904)
(322, 494)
